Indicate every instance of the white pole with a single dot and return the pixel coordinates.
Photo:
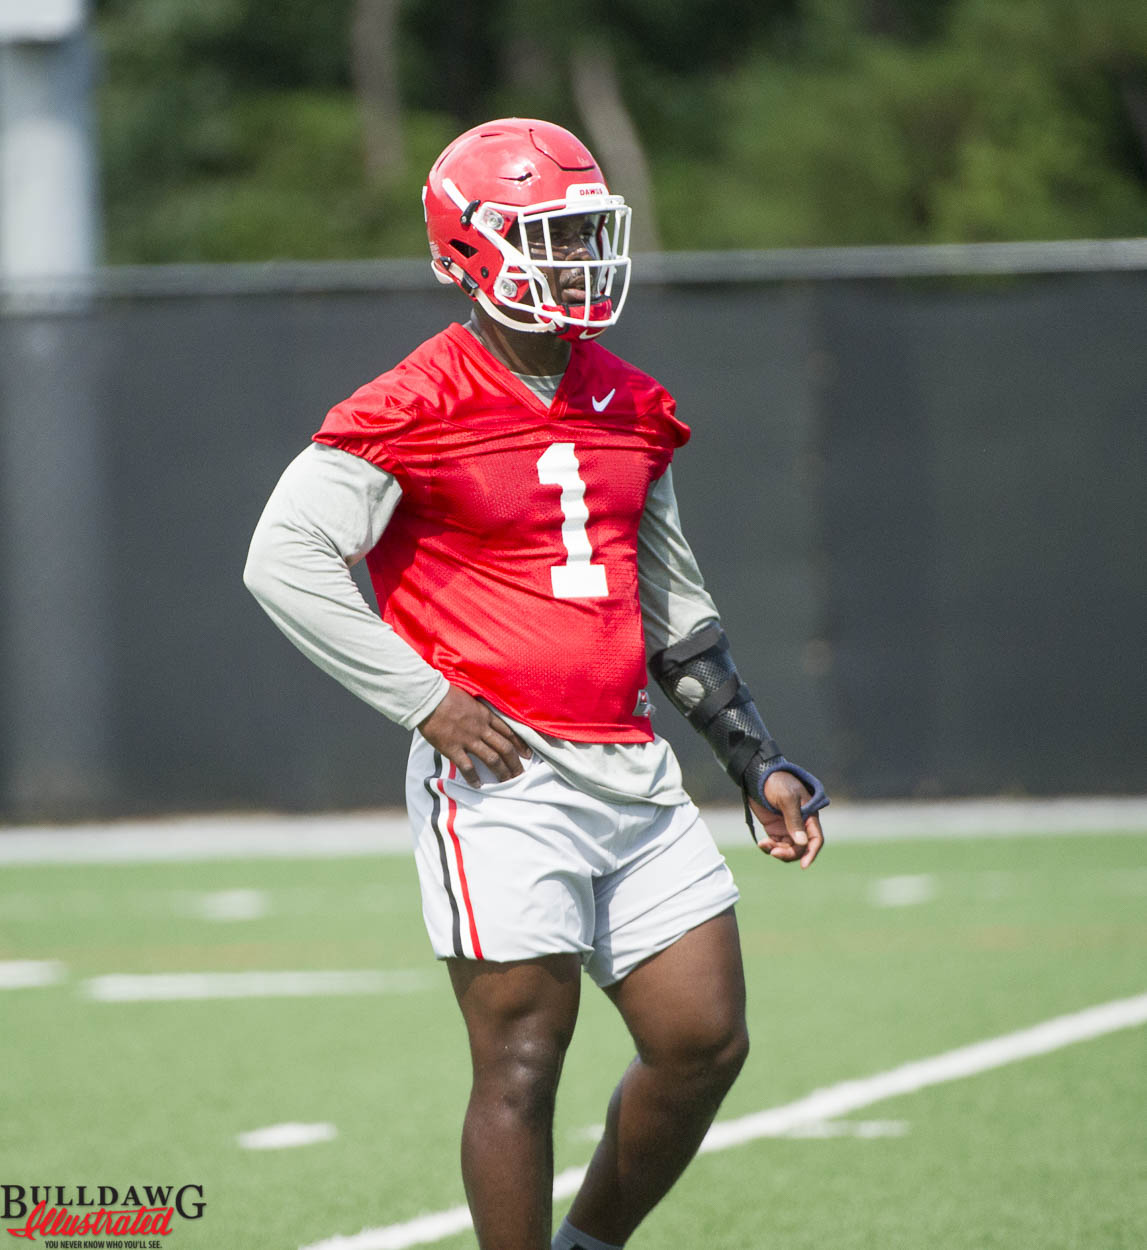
(55, 621)
(48, 204)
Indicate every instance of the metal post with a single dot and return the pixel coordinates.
(56, 644)
(48, 209)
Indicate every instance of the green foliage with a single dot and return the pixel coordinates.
(279, 176)
(255, 42)
(1000, 130)
(230, 129)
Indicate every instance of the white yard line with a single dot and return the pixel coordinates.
(348, 835)
(186, 986)
(287, 1136)
(820, 1128)
(815, 1108)
(25, 974)
(906, 891)
(866, 1130)
(225, 906)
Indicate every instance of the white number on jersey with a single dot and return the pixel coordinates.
(579, 577)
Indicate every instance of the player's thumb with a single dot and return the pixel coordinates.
(794, 822)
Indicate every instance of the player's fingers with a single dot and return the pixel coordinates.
(788, 802)
(815, 841)
(519, 746)
(465, 766)
(503, 764)
(785, 792)
(507, 762)
(794, 822)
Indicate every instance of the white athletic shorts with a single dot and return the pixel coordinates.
(534, 866)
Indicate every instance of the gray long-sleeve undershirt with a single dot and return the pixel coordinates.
(330, 508)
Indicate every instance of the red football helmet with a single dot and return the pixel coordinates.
(490, 201)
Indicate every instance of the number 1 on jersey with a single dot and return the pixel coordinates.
(579, 577)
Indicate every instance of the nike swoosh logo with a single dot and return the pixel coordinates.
(599, 405)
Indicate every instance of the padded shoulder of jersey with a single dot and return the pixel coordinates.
(630, 390)
(374, 421)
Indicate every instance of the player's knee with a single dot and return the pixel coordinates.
(522, 1077)
(718, 1064)
(731, 1053)
(709, 1058)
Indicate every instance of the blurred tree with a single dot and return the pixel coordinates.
(450, 53)
(230, 131)
(374, 36)
(1008, 122)
(613, 137)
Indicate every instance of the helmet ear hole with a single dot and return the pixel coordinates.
(464, 248)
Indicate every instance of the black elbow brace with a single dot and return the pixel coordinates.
(700, 679)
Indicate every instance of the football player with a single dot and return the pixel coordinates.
(508, 484)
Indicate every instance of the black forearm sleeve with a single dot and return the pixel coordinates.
(701, 681)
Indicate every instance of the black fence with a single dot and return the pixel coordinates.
(919, 502)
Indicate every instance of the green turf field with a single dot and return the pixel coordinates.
(850, 975)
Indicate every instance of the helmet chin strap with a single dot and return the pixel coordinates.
(525, 327)
(569, 328)
(575, 328)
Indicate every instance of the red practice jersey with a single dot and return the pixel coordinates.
(510, 564)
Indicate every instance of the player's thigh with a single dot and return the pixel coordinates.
(499, 866)
(670, 877)
(520, 1012)
(690, 997)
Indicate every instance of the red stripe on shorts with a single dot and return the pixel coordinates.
(451, 812)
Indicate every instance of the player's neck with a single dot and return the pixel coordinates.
(540, 355)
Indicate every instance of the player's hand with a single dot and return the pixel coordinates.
(465, 730)
(788, 837)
